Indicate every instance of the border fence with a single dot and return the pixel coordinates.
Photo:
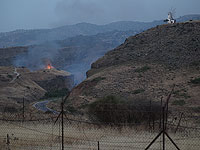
(68, 132)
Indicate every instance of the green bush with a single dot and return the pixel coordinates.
(138, 91)
(195, 63)
(181, 93)
(196, 109)
(178, 102)
(71, 109)
(10, 109)
(196, 81)
(142, 69)
(9, 76)
(56, 93)
(98, 79)
(114, 110)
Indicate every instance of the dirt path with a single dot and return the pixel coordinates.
(17, 75)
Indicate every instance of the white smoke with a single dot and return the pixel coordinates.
(37, 56)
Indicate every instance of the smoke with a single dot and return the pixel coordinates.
(80, 66)
(37, 57)
(79, 71)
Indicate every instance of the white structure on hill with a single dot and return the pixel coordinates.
(170, 18)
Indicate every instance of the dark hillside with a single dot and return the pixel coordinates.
(147, 66)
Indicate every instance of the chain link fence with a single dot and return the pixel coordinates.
(43, 133)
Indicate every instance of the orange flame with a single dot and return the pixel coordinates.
(49, 66)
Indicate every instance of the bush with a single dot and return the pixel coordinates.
(138, 91)
(71, 109)
(196, 109)
(181, 93)
(10, 109)
(196, 81)
(9, 76)
(114, 110)
(178, 102)
(56, 93)
(98, 79)
(142, 69)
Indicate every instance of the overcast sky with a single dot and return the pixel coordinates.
(31, 14)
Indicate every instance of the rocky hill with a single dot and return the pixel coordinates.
(147, 66)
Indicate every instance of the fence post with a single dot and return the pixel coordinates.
(23, 110)
(161, 105)
(8, 142)
(150, 115)
(163, 111)
(98, 146)
(62, 126)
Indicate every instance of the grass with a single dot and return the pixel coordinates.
(45, 136)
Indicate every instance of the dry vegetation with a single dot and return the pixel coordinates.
(45, 135)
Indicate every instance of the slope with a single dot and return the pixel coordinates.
(147, 66)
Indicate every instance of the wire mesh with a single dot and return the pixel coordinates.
(43, 133)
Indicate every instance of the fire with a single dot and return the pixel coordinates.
(49, 66)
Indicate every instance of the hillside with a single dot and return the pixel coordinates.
(8, 55)
(147, 66)
(17, 84)
(72, 54)
(32, 37)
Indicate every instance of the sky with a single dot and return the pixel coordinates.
(36, 14)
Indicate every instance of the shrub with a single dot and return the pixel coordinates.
(142, 69)
(195, 63)
(196, 109)
(71, 109)
(114, 110)
(56, 93)
(181, 93)
(178, 102)
(9, 76)
(98, 79)
(10, 109)
(196, 81)
(138, 91)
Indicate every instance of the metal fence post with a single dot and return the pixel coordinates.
(98, 146)
(163, 111)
